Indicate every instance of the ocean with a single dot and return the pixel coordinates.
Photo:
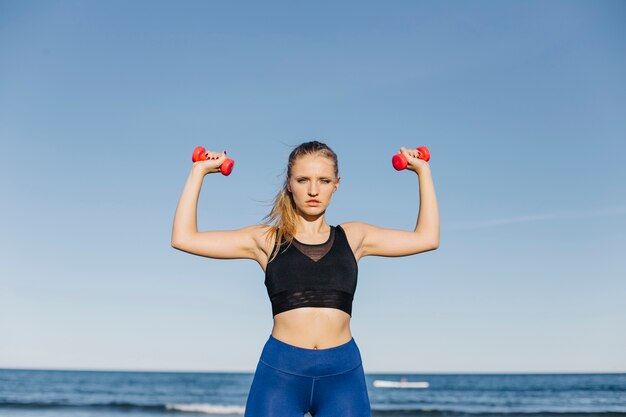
(56, 393)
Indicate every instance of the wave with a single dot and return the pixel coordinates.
(113, 405)
(431, 412)
(229, 409)
(207, 408)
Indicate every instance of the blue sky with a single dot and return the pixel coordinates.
(522, 105)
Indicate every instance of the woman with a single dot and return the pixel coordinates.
(310, 362)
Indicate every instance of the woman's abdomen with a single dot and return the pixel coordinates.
(313, 327)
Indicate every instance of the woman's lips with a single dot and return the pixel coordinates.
(313, 202)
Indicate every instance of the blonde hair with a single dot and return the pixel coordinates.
(283, 217)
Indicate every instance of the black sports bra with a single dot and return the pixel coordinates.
(304, 275)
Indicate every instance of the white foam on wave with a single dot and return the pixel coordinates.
(207, 408)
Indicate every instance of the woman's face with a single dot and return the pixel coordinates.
(312, 183)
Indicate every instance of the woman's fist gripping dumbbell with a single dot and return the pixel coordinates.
(400, 161)
(216, 161)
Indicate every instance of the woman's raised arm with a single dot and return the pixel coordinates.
(377, 241)
(222, 244)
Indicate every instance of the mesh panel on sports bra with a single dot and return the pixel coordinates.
(316, 251)
(287, 300)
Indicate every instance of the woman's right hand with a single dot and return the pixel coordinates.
(211, 165)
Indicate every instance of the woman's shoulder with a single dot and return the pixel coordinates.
(261, 231)
(354, 231)
(352, 227)
(264, 235)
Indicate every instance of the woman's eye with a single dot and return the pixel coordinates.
(325, 181)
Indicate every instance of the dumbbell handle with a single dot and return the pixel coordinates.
(201, 154)
(400, 162)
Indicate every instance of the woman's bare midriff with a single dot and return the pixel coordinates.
(313, 327)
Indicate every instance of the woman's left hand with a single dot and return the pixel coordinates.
(414, 163)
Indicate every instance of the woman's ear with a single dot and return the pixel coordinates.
(337, 184)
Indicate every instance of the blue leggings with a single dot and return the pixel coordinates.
(290, 381)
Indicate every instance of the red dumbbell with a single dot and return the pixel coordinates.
(201, 154)
(399, 160)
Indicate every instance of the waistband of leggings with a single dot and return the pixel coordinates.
(311, 362)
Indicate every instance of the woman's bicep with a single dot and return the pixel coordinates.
(379, 241)
(223, 244)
